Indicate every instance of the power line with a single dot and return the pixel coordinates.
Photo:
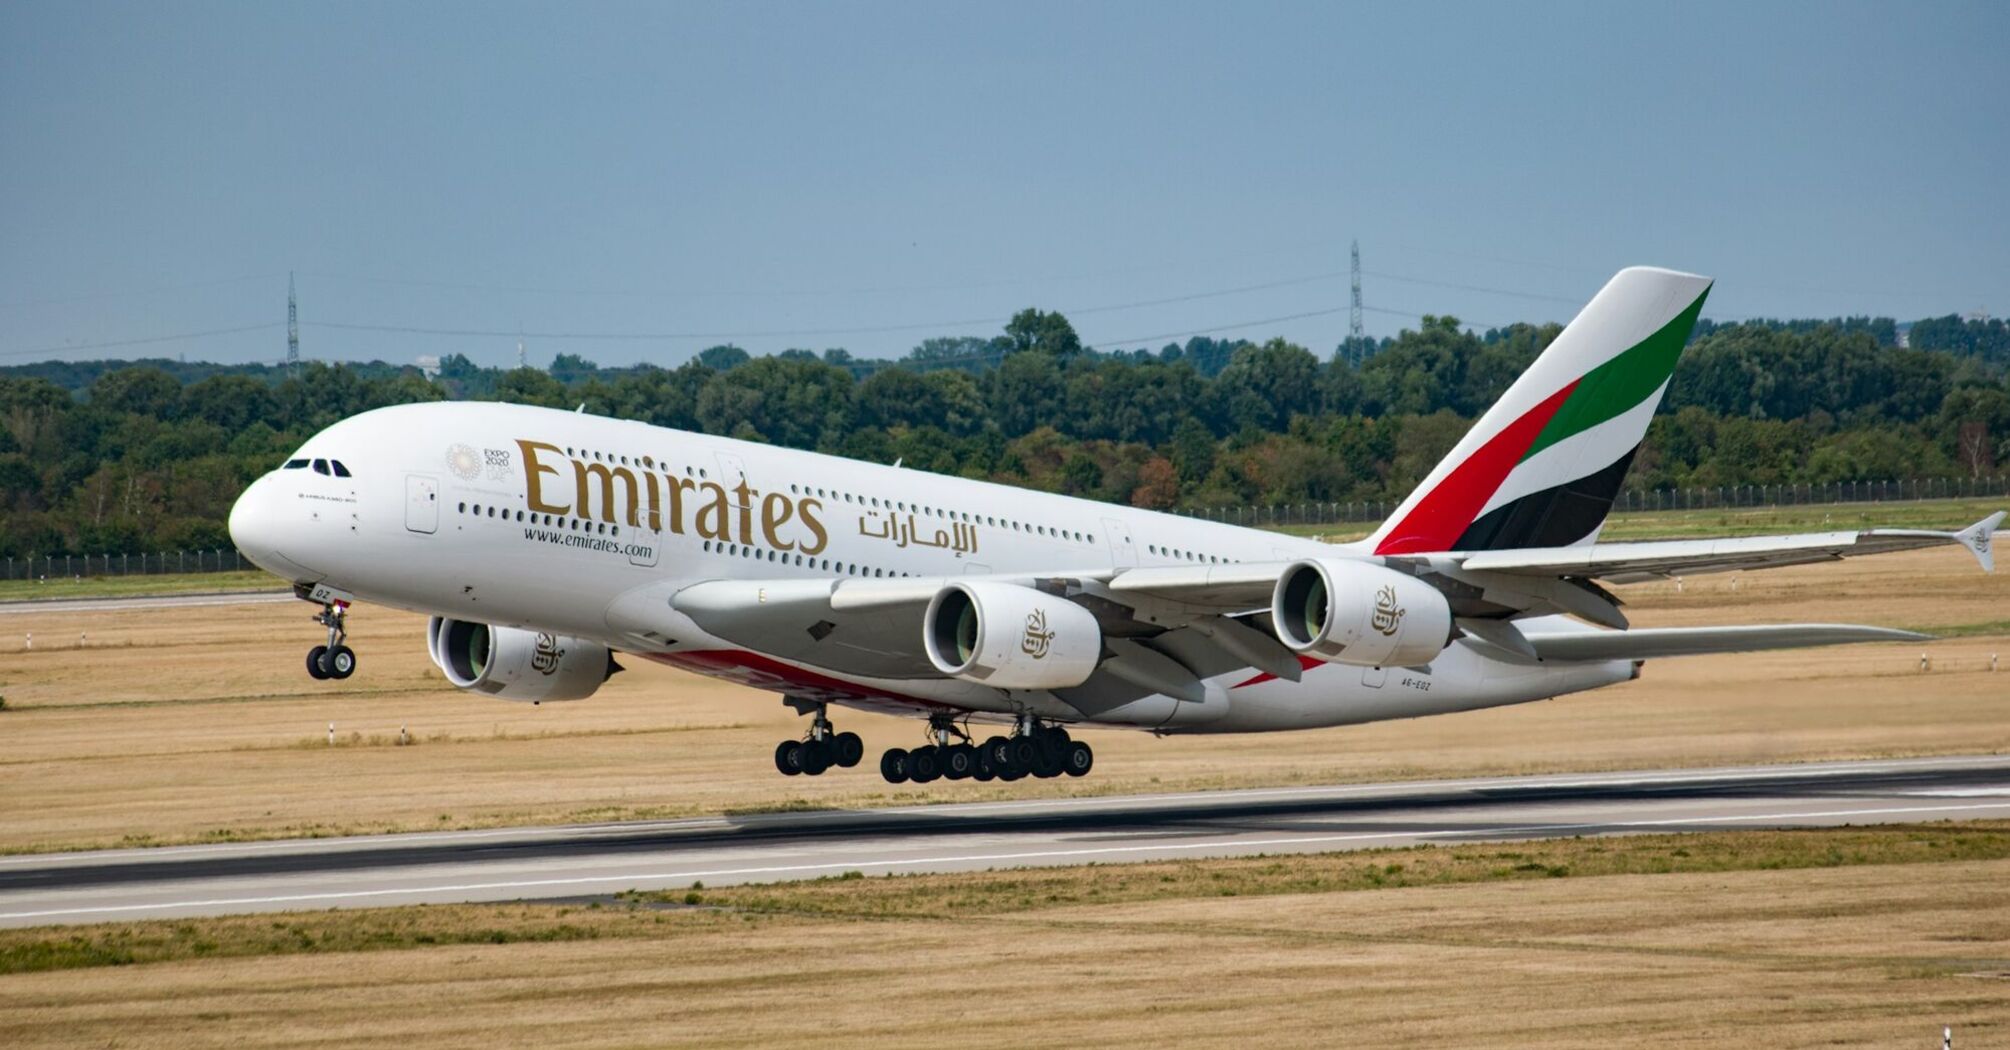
(72, 347)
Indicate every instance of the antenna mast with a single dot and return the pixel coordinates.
(1354, 271)
(292, 328)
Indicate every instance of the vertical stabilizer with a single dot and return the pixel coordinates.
(1543, 465)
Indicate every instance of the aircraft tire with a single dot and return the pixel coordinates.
(789, 757)
(850, 749)
(893, 765)
(959, 761)
(924, 764)
(816, 757)
(1077, 759)
(314, 668)
(339, 662)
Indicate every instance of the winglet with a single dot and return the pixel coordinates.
(1976, 538)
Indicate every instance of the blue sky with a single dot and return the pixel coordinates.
(867, 174)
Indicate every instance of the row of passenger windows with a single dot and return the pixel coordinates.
(841, 568)
(1168, 552)
(547, 520)
(321, 466)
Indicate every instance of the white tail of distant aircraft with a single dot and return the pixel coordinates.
(541, 542)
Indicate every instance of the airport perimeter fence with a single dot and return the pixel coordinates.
(156, 563)
(1706, 498)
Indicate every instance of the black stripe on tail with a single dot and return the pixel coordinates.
(1554, 517)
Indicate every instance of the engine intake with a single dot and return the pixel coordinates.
(1352, 612)
(1009, 636)
(510, 663)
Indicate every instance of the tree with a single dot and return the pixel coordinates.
(1046, 333)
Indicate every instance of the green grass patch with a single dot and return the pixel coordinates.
(140, 586)
(852, 896)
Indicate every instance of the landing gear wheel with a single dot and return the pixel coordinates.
(959, 761)
(1022, 752)
(850, 749)
(816, 757)
(985, 771)
(339, 662)
(789, 757)
(1077, 759)
(1046, 765)
(998, 751)
(893, 765)
(924, 764)
(314, 668)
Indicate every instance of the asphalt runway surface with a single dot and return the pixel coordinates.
(598, 860)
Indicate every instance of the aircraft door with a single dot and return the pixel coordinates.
(422, 503)
(1123, 552)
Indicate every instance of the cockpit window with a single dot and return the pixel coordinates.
(340, 470)
(320, 466)
(294, 464)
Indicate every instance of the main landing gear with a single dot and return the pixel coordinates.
(334, 660)
(819, 751)
(1035, 749)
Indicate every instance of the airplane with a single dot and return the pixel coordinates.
(541, 542)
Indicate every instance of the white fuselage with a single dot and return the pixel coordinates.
(548, 520)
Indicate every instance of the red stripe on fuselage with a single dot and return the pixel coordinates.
(761, 672)
(1305, 663)
(1441, 517)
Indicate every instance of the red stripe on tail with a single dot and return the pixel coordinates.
(1441, 517)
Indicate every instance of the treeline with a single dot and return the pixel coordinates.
(120, 457)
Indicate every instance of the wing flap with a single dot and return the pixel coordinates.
(1652, 642)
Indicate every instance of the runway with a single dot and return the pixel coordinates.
(594, 860)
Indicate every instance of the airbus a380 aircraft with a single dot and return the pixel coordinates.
(542, 541)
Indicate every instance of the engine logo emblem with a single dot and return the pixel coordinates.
(1388, 615)
(1038, 637)
(546, 654)
(465, 462)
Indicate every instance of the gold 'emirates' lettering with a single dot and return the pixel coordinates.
(617, 494)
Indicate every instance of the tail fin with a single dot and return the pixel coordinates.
(1542, 467)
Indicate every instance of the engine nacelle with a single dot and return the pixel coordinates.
(511, 663)
(1351, 612)
(1012, 637)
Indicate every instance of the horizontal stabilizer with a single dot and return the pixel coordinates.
(1651, 642)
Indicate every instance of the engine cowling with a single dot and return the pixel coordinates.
(510, 663)
(1009, 636)
(1352, 612)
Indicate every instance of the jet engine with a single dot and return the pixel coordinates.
(1352, 612)
(1009, 636)
(514, 664)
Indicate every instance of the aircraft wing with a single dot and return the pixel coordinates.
(1634, 562)
(1650, 642)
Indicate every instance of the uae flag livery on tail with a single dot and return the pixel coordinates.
(1542, 467)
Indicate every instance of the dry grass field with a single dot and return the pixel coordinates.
(1845, 937)
(179, 725)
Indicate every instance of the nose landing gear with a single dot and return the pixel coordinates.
(336, 659)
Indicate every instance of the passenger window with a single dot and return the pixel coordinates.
(340, 470)
(320, 466)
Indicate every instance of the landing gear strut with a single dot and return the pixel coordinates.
(1035, 748)
(336, 659)
(821, 749)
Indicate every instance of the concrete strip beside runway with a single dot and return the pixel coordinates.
(533, 863)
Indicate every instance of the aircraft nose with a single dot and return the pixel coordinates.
(259, 527)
